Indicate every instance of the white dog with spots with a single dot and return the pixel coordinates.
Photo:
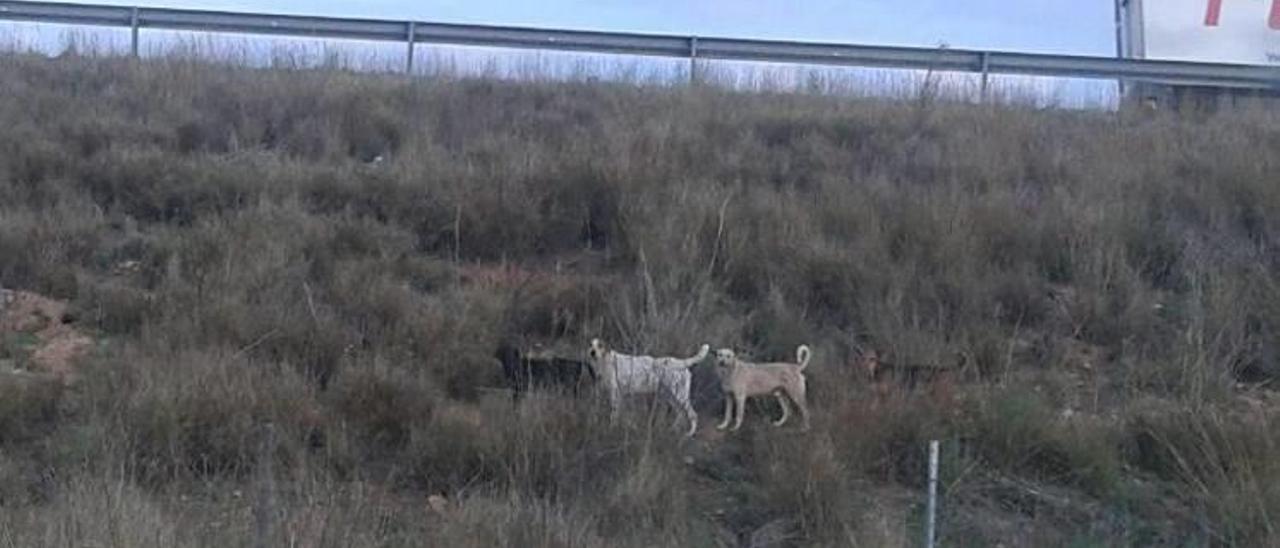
(623, 374)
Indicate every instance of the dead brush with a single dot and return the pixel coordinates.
(286, 276)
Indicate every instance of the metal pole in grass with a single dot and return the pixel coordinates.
(264, 498)
(932, 511)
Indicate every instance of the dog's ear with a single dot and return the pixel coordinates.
(858, 350)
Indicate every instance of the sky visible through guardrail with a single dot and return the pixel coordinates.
(464, 61)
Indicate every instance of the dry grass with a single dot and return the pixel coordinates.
(230, 238)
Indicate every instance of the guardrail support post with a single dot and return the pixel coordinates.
(693, 61)
(133, 29)
(986, 75)
(413, 38)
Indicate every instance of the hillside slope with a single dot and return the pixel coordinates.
(296, 281)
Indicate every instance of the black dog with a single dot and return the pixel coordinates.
(524, 373)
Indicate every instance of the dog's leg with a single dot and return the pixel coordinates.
(669, 397)
(517, 389)
(798, 397)
(614, 402)
(739, 401)
(728, 411)
(786, 410)
(693, 419)
(678, 393)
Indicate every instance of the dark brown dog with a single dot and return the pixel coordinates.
(527, 371)
(887, 377)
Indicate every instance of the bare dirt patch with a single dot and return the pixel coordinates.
(38, 335)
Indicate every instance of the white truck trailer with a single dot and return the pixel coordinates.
(1243, 32)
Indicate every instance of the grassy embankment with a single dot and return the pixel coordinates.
(223, 235)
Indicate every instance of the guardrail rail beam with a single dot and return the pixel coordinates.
(696, 49)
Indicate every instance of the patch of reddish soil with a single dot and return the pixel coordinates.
(58, 344)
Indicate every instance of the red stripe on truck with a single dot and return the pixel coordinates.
(1214, 13)
(1274, 21)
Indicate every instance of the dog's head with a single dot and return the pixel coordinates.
(508, 355)
(725, 357)
(870, 361)
(598, 349)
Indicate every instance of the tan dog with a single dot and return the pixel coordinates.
(740, 380)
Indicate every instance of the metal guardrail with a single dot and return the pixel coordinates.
(689, 47)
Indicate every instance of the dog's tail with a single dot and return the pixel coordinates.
(702, 355)
(802, 356)
(693, 360)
